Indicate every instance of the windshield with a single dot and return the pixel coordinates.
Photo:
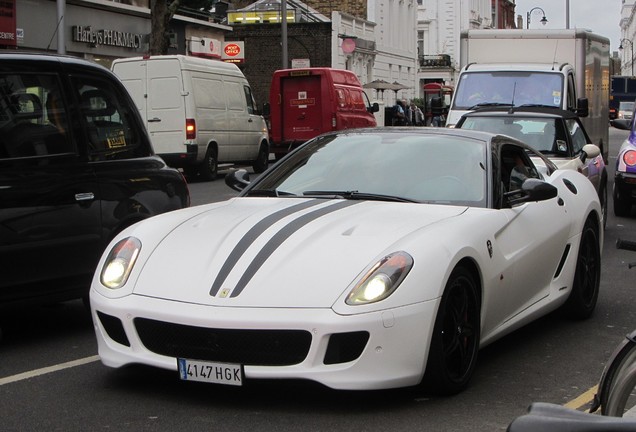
(508, 88)
(626, 106)
(410, 167)
(539, 133)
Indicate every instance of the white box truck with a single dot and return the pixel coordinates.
(198, 112)
(568, 69)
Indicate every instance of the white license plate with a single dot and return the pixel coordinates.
(218, 373)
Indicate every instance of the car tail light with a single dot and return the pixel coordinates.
(191, 129)
(630, 158)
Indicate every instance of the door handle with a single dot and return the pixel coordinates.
(250, 120)
(86, 196)
(154, 120)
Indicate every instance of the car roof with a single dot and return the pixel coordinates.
(539, 112)
(49, 57)
(489, 139)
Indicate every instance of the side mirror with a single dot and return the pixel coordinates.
(532, 190)
(375, 107)
(590, 151)
(266, 109)
(582, 107)
(238, 179)
(621, 124)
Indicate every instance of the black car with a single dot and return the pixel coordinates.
(557, 134)
(76, 167)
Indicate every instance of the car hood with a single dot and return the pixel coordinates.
(279, 252)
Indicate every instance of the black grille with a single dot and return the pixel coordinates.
(247, 347)
(114, 328)
(345, 347)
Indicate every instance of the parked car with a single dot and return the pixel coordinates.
(76, 168)
(557, 134)
(365, 259)
(625, 173)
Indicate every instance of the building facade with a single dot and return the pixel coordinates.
(99, 30)
(628, 36)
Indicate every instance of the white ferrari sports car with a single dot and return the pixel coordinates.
(365, 259)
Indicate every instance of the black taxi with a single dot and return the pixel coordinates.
(76, 167)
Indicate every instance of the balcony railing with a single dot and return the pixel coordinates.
(435, 61)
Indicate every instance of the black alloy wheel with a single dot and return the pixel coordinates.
(587, 276)
(455, 342)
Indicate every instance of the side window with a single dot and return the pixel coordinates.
(112, 129)
(516, 167)
(33, 116)
(249, 99)
(577, 134)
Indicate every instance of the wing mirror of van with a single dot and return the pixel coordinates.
(238, 179)
(266, 109)
(582, 107)
(375, 107)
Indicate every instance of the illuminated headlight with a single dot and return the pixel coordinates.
(381, 280)
(120, 262)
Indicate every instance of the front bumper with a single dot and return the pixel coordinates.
(625, 186)
(394, 355)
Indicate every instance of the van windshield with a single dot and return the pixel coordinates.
(512, 88)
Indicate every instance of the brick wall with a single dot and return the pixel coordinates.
(357, 8)
(263, 50)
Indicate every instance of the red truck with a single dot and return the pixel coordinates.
(303, 103)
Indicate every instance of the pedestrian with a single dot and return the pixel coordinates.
(399, 116)
(417, 116)
(408, 114)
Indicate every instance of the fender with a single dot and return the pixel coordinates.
(623, 357)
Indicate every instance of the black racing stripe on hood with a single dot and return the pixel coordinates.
(251, 236)
(280, 237)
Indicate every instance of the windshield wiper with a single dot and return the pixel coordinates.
(538, 106)
(269, 193)
(355, 195)
(490, 104)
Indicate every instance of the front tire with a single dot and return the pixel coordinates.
(587, 276)
(455, 341)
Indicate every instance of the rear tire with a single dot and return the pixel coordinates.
(209, 168)
(455, 341)
(262, 160)
(587, 275)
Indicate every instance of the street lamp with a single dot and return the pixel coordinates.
(631, 46)
(543, 21)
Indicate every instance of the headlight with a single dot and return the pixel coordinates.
(120, 262)
(629, 157)
(381, 280)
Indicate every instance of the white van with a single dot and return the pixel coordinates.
(198, 112)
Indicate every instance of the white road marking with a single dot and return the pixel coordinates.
(46, 370)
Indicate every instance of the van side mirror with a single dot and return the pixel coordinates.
(266, 109)
(582, 107)
(375, 107)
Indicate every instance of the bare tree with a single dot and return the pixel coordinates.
(161, 12)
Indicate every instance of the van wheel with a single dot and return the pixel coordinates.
(260, 164)
(210, 166)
